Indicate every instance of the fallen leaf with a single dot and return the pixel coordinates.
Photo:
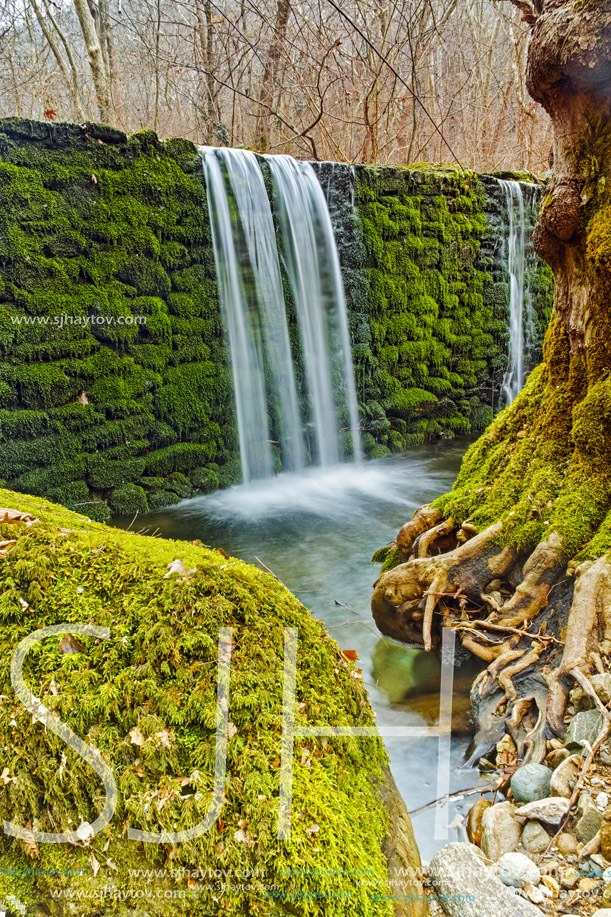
(83, 398)
(164, 737)
(136, 737)
(94, 865)
(14, 517)
(313, 829)
(70, 644)
(350, 655)
(232, 730)
(178, 567)
(5, 778)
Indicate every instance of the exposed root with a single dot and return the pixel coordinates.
(499, 600)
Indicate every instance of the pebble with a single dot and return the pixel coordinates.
(587, 885)
(535, 838)
(550, 810)
(569, 877)
(500, 830)
(602, 801)
(531, 782)
(566, 844)
(516, 869)
(583, 726)
(601, 912)
(474, 820)
(564, 776)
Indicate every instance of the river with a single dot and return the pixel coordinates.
(316, 531)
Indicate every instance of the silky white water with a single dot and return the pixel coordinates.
(279, 422)
(513, 379)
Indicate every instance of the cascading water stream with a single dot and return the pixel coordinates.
(250, 289)
(251, 292)
(313, 268)
(513, 379)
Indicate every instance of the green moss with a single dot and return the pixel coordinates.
(146, 698)
(128, 499)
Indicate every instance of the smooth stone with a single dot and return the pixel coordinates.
(602, 801)
(569, 877)
(564, 776)
(566, 844)
(605, 839)
(535, 838)
(531, 782)
(590, 821)
(474, 820)
(587, 884)
(459, 871)
(601, 912)
(584, 726)
(550, 810)
(500, 830)
(517, 870)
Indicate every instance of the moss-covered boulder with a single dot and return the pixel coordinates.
(146, 698)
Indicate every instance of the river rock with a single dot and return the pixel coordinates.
(500, 830)
(535, 838)
(530, 782)
(584, 726)
(605, 839)
(563, 778)
(550, 810)
(517, 870)
(590, 819)
(474, 820)
(566, 844)
(470, 889)
(602, 912)
(569, 877)
(601, 682)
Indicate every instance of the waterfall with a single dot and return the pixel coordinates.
(264, 365)
(519, 304)
(313, 268)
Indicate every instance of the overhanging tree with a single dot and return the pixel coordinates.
(515, 558)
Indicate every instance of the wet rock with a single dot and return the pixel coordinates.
(531, 782)
(458, 871)
(550, 810)
(566, 844)
(517, 870)
(590, 819)
(584, 726)
(535, 838)
(563, 778)
(474, 820)
(500, 830)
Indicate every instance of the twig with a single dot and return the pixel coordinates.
(265, 567)
(591, 847)
(455, 797)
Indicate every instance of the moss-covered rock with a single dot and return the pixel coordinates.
(146, 698)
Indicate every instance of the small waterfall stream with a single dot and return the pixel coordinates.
(519, 302)
(265, 366)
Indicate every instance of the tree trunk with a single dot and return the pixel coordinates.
(268, 84)
(514, 556)
(95, 54)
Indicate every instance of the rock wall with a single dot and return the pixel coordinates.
(138, 412)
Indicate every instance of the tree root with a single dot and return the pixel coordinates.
(497, 597)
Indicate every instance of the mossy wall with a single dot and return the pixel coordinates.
(139, 413)
(425, 269)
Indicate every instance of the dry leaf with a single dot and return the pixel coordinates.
(163, 735)
(83, 398)
(231, 730)
(15, 516)
(313, 829)
(350, 655)
(4, 777)
(70, 644)
(178, 567)
(136, 737)
(94, 865)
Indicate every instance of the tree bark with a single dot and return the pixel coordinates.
(538, 482)
(95, 54)
(268, 84)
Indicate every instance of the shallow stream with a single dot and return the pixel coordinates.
(316, 531)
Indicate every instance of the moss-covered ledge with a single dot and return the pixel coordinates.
(146, 698)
